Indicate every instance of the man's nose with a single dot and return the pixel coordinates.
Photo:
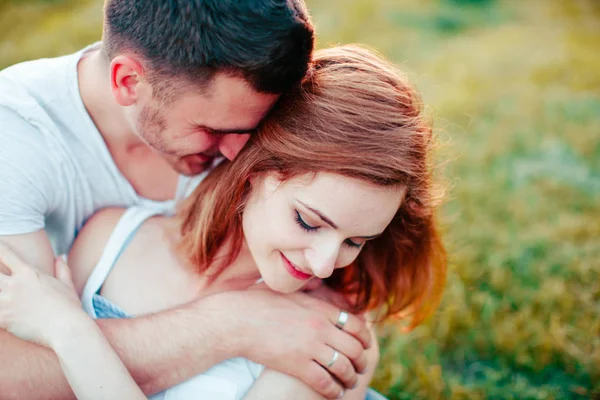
(231, 144)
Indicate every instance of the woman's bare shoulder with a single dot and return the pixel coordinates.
(90, 242)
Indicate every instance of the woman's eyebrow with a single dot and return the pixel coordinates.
(320, 214)
(331, 223)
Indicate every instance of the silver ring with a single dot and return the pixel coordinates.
(342, 319)
(335, 357)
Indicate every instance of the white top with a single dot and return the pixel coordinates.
(55, 168)
(229, 380)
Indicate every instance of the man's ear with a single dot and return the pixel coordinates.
(126, 75)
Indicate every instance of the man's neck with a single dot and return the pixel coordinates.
(108, 116)
(149, 174)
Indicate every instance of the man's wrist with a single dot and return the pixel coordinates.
(223, 310)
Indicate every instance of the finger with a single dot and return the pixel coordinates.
(322, 381)
(336, 301)
(62, 272)
(357, 327)
(338, 365)
(10, 259)
(351, 347)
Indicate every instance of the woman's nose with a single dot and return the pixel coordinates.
(322, 259)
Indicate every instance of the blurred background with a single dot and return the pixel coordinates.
(513, 88)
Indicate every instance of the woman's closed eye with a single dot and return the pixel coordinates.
(300, 221)
(353, 244)
(309, 228)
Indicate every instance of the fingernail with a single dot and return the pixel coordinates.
(341, 394)
(63, 258)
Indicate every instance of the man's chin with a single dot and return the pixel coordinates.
(191, 169)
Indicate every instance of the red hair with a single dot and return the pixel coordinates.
(354, 115)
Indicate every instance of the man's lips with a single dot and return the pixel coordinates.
(293, 271)
(198, 158)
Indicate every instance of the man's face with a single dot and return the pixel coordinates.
(203, 124)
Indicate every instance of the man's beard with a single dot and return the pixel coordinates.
(189, 168)
(150, 126)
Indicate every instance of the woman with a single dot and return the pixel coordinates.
(336, 186)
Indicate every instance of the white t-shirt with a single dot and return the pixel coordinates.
(55, 168)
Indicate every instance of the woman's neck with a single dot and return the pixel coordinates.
(240, 274)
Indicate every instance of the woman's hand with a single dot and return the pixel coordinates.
(46, 310)
(35, 306)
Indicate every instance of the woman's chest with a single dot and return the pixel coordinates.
(148, 277)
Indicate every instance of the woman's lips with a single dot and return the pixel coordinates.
(293, 271)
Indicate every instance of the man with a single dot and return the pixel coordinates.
(172, 86)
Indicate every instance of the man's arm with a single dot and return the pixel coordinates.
(161, 350)
(286, 333)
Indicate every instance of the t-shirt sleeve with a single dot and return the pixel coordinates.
(27, 170)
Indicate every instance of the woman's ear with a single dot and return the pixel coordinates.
(268, 183)
(271, 182)
(252, 180)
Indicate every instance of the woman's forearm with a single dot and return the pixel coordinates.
(91, 366)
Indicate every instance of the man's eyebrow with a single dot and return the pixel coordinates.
(332, 224)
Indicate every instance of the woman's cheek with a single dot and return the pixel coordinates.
(347, 258)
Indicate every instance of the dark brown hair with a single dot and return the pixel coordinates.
(267, 42)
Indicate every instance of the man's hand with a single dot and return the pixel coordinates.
(296, 334)
(319, 290)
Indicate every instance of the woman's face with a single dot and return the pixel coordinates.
(307, 226)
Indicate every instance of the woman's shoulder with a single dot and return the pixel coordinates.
(90, 243)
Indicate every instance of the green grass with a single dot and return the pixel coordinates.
(514, 88)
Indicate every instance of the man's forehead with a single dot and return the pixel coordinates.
(229, 105)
